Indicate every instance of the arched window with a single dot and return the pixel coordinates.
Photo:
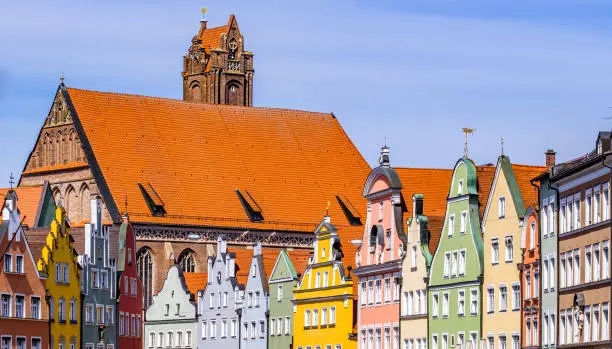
(85, 203)
(232, 93)
(195, 92)
(72, 205)
(187, 261)
(144, 268)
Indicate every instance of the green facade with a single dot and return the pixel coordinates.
(281, 283)
(449, 281)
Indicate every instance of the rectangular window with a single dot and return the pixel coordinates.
(434, 341)
(577, 266)
(211, 301)
(536, 284)
(570, 268)
(605, 260)
(272, 327)
(445, 304)
(551, 217)
(606, 203)
(528, 332)
(19, 306)
(605, 322)
(262, 329)
(509, 249)
(378, 291)
(21, 343)
(447, 264)
(213, 328)
(5, 306)
(451, 225)
(490, 299)
(279, 293)
(387, 290)
(315, 317)
(287, 325)
(35, 307)
(528, 284)
(121, 324)
(307, 318)
(323, 316)
(588, 261)
(595, 323)
(444, 341)
(370, 292)
(516, 297)
(473, 301)
(36, 343)
(332, 315)
(110, 314)
(502, 342)
(501, 207)
(325, 278)
(461, 302)
(19, 266)
(494, 251)
(587, 208)
(545, 276)
(503, 298)
(454, 260)
(233, 328)
(100, 314)
(434, 305)
(586, 333)
(462, 254)
(463, 222)
(414, 256)
(544, 221)
(8, 263)
(576, 213)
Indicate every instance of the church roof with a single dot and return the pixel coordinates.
(214, 165)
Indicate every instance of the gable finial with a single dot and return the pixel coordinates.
(125, 212)
(327, 208)
(467, 131)
(11, 180)
(502, 145)
(62, 79)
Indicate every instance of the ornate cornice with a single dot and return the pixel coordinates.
(200, 235)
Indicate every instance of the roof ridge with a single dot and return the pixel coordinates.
(219, 106)
(422, 168)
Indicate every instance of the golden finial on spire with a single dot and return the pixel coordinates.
(467, 131)
(327, 208)
(203, 11)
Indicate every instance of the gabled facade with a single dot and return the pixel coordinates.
(455, 283)
(529, 268)
(59, 265)
(129, 324)
(283, 279)
(323, 298)
(255, 309)
(98, 285)
(415, 273)
(502, 229)
(585, 289)
(220, 304)
(24, 316)
(171, 320)
(379, 257)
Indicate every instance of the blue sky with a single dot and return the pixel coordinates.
(538, 73)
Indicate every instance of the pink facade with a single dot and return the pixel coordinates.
(379, 259)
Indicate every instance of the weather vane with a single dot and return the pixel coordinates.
(502, 145)
(203, 12)
(467, 131)
(11, 180)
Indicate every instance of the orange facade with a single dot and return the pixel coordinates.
(23, 311)
(530, 271)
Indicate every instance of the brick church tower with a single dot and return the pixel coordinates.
(216, 68)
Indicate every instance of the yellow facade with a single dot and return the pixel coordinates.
(502, 253)
(60, 265)
(323, 298)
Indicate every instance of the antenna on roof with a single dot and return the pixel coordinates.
(467, 131)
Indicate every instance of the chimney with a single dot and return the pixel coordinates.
(550, 158)
(384, 156)
(417, 203)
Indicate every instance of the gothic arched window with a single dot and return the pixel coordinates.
(232, 93)
(144, 268)
(187, 261)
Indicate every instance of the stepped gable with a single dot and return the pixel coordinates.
(221, 166)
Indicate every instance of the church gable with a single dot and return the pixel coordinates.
(58, 145)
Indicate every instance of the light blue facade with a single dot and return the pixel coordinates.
(220, 304)
(98, 286)
(255, 307)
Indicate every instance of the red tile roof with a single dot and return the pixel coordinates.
(433, 183)
(524, 174)
(196, 155)
(28, 201)
(196, 282)
(211, 37)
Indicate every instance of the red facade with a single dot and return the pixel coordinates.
(130, 320)
(24, 315)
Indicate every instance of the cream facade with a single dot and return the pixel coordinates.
(415, 270)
